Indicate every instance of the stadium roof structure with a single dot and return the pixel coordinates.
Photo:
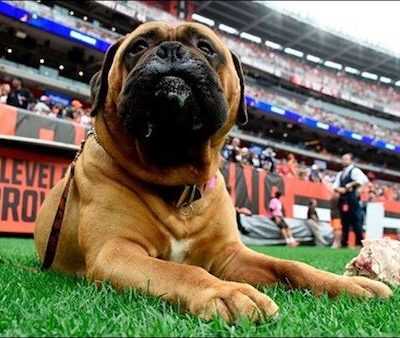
(294, 34)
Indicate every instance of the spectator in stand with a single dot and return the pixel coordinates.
(255, 160)
(388, 193)
(43, 106)
(315, 174)
(283, 168)
(313, 223)
(74, 111)
(292, 165)
(86, 119)
(231, 152)
(275, 208)
(302, 171)
(19, 96)
(267, 159)
(57, 111)
(4, 91)
(245, 156)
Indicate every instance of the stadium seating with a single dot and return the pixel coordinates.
(315, 77)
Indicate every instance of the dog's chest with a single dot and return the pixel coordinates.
(179, 249)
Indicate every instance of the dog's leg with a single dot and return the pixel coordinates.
(126, 264)
(239, 263)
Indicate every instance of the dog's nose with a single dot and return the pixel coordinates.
(171, 51)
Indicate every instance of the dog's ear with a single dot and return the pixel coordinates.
(242, 112)
(99, 81)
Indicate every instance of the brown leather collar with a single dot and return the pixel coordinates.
(181, 196)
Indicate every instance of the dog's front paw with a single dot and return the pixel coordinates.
(360, 287)
(231, 301)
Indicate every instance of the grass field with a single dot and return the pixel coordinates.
(33, 303)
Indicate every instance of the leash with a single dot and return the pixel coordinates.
(58, 219)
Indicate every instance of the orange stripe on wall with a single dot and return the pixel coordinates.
(8, 118)
(46, 134)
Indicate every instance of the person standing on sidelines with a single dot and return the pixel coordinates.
(275, 208)
(336, 223)
(346, 184)
(313, 223)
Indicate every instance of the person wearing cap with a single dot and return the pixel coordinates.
(42, 107)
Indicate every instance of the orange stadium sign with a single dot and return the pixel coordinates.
(25, 179)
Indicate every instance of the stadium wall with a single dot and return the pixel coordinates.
(28, 170)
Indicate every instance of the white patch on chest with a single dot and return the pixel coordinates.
(178, 249)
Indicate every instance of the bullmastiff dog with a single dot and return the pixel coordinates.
(147, 207)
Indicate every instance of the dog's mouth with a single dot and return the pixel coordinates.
(172, 113)
(175, 106)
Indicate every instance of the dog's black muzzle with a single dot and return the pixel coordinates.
(173, 99)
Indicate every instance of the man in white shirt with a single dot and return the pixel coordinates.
(346, 184)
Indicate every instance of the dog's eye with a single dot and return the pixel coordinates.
(205, 47)
(138, 47)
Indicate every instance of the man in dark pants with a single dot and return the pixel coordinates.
(346, 184)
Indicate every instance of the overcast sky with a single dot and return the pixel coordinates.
(376, 22)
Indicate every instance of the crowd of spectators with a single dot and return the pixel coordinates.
(317, 77)
(308, 108)
(290, 167)
(299, 71)
(15, 94)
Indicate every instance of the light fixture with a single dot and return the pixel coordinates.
(285, 135)
(113, 29)
(250, 37)
(71, 12)
(228, 29)
(9, 50)
(294, 52)
(313, 58)
(369, 75)
(203, 19)
(385, 79)
(273, 45)
(351, 70)
(397, 83)
(333, 65)
(41, 61)
(60, 67)
(80, 73)
(85, 18)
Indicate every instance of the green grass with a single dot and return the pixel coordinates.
(33, 303)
